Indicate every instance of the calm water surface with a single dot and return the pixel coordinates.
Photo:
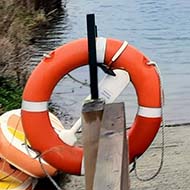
(160, 29)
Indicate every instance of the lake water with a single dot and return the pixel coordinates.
(160, 29)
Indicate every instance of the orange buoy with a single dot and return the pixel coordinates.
(15, 148)
(13, 179)
(115, 54)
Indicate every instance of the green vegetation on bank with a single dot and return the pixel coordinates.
(10, 94)
(16, 25)
(19, 20)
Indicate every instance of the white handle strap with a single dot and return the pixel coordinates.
(119, 51)
(101, 49)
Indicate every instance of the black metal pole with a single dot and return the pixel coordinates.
(91, 34)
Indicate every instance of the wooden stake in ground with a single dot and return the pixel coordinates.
(91, 118)
(112, 159)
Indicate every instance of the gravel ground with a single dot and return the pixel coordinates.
(175, 173)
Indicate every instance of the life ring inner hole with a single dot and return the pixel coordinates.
(68, 102)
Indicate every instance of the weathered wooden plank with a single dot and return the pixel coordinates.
(112, 159)
(91, 118)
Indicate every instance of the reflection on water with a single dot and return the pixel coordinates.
(160, 29)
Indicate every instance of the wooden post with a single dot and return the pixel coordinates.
(112, 159)
(111, 169)
(91, 118)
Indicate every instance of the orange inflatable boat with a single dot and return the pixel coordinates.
(13, 179)
(16, 150)
(114, 54)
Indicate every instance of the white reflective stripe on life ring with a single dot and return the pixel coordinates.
(34, 106)
(100, 49)
(149, 112)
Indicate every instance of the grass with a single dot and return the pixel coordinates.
(10, 94)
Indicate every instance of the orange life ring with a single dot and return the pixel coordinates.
(68, 57)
